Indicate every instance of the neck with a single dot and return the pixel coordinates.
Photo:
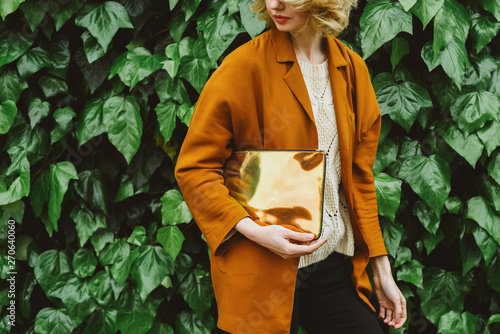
(309, 45)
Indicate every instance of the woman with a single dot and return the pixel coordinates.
(272, 92)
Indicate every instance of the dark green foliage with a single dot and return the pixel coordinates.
(96, 98)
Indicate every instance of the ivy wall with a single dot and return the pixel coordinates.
(96, 98)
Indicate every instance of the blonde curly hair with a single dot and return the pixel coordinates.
(328, 16)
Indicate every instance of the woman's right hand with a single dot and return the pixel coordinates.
(278, 238)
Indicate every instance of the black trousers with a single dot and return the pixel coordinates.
(326, 301)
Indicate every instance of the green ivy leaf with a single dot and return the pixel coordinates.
(123, 123)
(454, 18)
(93, 188)
(429, 177)
(174, 210)
(195, 66)
(493, 272)
(87, 223)
(90, 124)
(138, 236)
(402, 101)
(161, 328)
(388, 192)
(74, 294)
(483, 30)
(252, 24)
(425, 10)
(10, 85)
(40, 192)
(392, 232)
(101, 238)
(62, 12)
(443, 291)
(118, 255)
(101, 290)
(494, 318)
(494, 167)
(219, 31)
(19, 160)
(19, 188)
(33, 61)
(480, 211)
(135, 65)
(38, 110)
(125, 190)
(380, 22)
(432, 240)
(489, 136)
(407, 4)
(453, 58)
(473, 109)
(456, 322)
(147, 160)
(478, 76)
(400, 48)
(189, 322)
(427, 217)
(8, 112)
(387, 153)
(471, 254)
(168, 88)
(104, 20)
(468, 146)
(52, 86)
(171, 238)
(60, 54)
(50, 320)
(34, 12)
(454, 205)
(9, 6)
(93, 50)
(177, 26)
(60, 175)
(403, 256)
(64, 123)
(166, 113)
(189, 7)
(412, 273)
(197, 292)
(491, 6)
(49, 265)
(491, 190)
(102, 320)
(150, 268)
(135, 316)
(84, 262)
(13, 44)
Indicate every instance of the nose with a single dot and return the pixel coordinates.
(276, 4)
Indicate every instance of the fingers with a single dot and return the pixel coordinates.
(294, 250)
(303, 237)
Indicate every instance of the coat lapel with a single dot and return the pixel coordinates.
(343, 112)
(293, 78)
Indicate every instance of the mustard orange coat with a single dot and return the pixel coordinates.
(257, 98)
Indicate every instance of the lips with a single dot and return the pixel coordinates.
(280, 19)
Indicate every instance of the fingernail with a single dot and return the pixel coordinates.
(310, 235)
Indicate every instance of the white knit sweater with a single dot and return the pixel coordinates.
(336, 224)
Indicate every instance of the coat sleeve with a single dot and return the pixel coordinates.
(367, 134)
(198, 170)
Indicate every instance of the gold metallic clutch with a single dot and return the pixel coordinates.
(280, 187)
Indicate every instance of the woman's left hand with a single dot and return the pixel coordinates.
(391, 301)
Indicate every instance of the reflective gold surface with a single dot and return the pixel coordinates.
(283, 187)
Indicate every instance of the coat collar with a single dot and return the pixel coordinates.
(285, 53)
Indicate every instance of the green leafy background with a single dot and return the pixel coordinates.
(96, 98)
